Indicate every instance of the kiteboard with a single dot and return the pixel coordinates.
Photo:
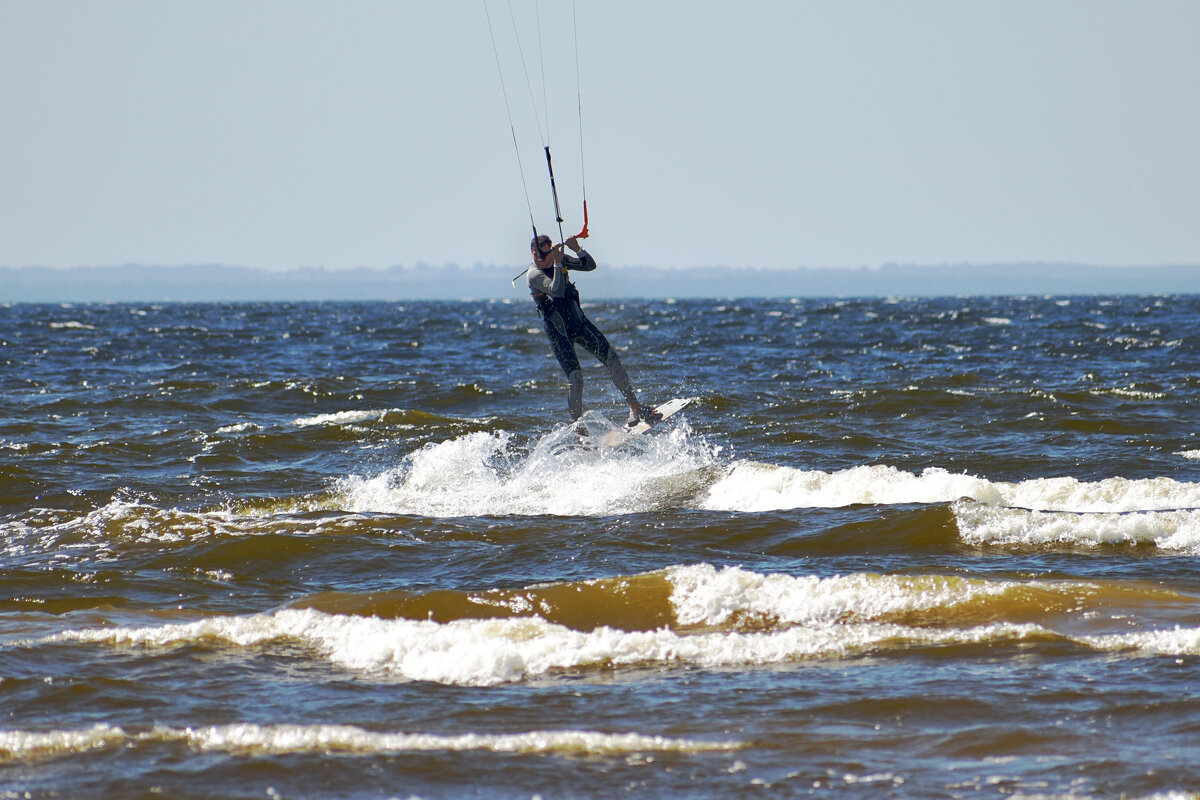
(613, 438)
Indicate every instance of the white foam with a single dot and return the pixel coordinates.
(320, 738)
(487, 652)
(1176, 641)
(1169, 530)
(1107, 495)
(705, 595)
(485, 474)
(729, 617)
(289, 739)
(725, 617)
(340, 418)
(750, 486)
(19, 745)
(490, 652)
(70, 533)
(1132, 394)
(240, 427)
(122, 522)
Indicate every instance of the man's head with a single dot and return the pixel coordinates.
(542, 248)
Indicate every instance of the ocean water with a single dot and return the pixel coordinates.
(895, 548)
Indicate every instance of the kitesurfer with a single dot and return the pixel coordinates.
(557, 301)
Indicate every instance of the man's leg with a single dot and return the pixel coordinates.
(564, 351)
(596, 343)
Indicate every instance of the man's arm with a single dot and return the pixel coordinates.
(541, 282)
(583, 263)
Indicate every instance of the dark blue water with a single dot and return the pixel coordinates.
(911, 548)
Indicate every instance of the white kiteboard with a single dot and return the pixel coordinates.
(613, 438)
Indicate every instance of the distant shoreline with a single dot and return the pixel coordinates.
(217, 283)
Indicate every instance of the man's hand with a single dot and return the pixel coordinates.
(551, 256)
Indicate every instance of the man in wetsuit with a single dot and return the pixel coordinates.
(557, 301)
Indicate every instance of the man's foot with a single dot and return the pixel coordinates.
(645, 414)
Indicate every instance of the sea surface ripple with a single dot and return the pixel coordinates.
(899, 547)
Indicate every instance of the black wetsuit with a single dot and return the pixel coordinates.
(566, 325)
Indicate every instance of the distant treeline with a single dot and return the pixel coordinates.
(213, 283)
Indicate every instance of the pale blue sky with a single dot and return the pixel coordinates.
(286, 133)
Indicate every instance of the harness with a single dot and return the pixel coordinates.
(567, 306)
